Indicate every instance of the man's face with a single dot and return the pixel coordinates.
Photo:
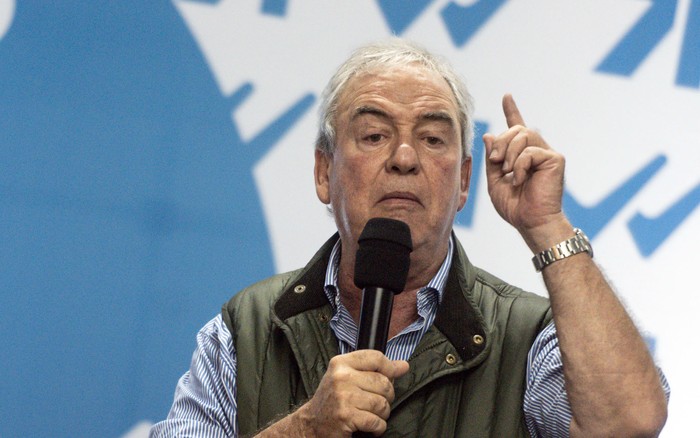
(398, 155)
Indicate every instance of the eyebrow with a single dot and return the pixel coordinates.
(438, 116)
(362, 110)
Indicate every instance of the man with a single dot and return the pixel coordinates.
(468, 355)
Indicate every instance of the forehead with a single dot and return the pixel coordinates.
(413, 86)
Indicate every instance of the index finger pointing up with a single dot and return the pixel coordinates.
(510, 110)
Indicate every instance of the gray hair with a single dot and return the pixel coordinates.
(391, 53)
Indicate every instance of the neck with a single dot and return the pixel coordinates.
(404, 312)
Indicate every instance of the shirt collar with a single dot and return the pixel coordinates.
(436, 284)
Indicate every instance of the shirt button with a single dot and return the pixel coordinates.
(451, 359)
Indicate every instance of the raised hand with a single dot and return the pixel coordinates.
(525, 177)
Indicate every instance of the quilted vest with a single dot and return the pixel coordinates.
(467, 374)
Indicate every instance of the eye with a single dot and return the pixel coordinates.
(374, 138)
(433, 141)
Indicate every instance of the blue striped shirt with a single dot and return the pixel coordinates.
(205, 397)
(401, 346)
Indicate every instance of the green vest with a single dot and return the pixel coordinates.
(467, 374)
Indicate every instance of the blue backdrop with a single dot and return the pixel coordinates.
(128, 213)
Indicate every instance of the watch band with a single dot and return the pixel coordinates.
(575, 245)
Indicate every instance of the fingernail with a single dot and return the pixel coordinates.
(493, 155)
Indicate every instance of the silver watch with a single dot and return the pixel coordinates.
(577, 244)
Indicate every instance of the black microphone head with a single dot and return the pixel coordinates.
(383, 256)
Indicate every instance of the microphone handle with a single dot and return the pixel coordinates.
(375, 317)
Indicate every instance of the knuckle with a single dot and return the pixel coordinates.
(341, 374)
(375, 424)
(385, 409)
(530, 150)
(333, 363)
(374, 355)
(379, 426)
(343, 415)
(378, 405)
(388, 390)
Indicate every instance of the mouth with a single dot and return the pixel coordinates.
(400, 198)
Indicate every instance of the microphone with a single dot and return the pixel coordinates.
(381, 269)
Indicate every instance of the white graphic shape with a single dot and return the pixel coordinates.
(7, 13)
(284, 57)
(139, 430)
(545, 53)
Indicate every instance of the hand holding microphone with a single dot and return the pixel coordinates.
(357, 389)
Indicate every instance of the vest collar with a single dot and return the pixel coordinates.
(458, 317)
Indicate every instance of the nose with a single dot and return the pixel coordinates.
(404, 160)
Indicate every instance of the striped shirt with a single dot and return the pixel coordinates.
(205, 397)
(401, 346)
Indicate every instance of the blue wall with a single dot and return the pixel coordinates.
(128, 213)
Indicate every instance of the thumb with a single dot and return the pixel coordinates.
(401, 367)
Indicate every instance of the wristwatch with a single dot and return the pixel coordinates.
(577, 244)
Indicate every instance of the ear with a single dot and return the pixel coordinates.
(322, 169)
(465, 179)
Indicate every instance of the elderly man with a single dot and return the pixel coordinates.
(468, 355)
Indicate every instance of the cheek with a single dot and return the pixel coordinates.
(448, 172)
(448, 180)
(347, 183)
(358, 169)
